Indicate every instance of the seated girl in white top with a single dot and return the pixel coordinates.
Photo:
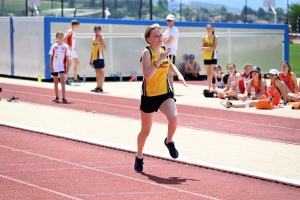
(219, 80)
(231, 89)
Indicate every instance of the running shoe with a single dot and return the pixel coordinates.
(56, 99)
(225, 102)
(172, 150)
(64, 100)
(138, 165)
(0, 89)
(13, 100)
(68, 82)
(77, 80)
(97, 90)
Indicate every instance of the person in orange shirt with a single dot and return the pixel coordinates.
(276, 91)
(257, 84)
(290, 80)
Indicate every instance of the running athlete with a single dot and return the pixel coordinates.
(69, 40)
(192, 68)
(290, 80)
(170, 39)
(59, 57)
(209, 46)
(219, 80)
(157, 93)
(97, 58)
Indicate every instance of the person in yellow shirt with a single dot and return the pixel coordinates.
(209, 46)
(97, 58)
(157, 93)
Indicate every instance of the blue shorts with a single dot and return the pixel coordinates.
(56, 73)
(98, 64)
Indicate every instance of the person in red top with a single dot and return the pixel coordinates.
(256, 84)
(276, 92)
(245, 77)
(290, 80)
(69, 40)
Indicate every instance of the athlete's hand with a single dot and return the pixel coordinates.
(51, 69)
(165, 54)
(182, 80)
(91, 63)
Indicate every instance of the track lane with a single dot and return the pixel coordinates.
(86, 171)
(273, 128)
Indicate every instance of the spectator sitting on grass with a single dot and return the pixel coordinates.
(192, 69)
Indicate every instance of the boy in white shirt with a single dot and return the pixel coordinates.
(59, 64)
(170, 38)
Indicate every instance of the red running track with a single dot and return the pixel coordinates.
(37, 166)
(267, 127)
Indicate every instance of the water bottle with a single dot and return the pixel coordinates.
(83, 78)
(39, 78)
(120, 75)
(247, 103)
(115, 76)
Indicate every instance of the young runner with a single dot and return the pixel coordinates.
(69, 40)
(209, 46)
(97, 58)
(219, 81)
(192, 69)
(157, 93)
(59, 57)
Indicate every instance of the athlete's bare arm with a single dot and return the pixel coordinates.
(51, 63)
(102, 44)
(280, 86)
(66, 38)
(294, 78)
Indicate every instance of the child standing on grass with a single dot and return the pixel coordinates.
(59, 64)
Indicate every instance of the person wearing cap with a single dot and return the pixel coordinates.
(209, 46)
(276, 92)
(170, 38)
(290, 80)
(97, 58)
(192, 68)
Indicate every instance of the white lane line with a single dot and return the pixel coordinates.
(110, 173)
(124, 193)
(212, 166)
(38, 187)
(180, 113)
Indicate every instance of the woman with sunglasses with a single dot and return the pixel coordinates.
(290, 80)
(209, 46)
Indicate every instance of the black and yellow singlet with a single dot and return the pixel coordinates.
(97, 54)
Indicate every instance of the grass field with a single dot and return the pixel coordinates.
(295, 58)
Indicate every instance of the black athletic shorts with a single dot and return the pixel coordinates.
(56, 73)
(98, 64)
(152, 104)
(210, 62)
(172, 58)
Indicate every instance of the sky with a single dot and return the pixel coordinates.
(254, 4)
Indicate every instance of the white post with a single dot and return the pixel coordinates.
(275, 14)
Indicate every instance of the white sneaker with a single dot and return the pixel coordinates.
(225, 103)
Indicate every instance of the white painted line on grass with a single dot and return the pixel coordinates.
(223, 168)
